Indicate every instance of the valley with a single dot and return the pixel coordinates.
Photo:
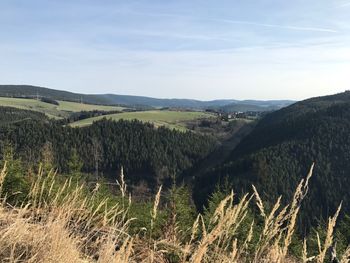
(198, 155)
(175, 131)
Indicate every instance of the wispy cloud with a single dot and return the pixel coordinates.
(344, 4)
(161, 49)
(287, 27)
(241, 22)
(169, 34)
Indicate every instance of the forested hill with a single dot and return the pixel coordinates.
(34, 91)
(278, 153)
(113, 99)
(147, 154)
(253, 105)
(106, 99)
(9, 115)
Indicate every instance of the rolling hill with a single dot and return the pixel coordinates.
(21, 91)
(278, 153)
(253, 105)
(126, 100)
(171, 119)
(64, 109)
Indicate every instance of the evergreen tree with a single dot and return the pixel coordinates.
(75, 164)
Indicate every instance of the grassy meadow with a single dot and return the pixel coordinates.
(171, 119)
(54, 111)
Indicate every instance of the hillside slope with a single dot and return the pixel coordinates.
(277, 154)
(33, 91)
(256, 105)
(9, 115)
(147, 154)
(171, 119)
(63, 110)
(112, 99)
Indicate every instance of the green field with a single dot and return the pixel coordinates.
(171, 119)
(53, 111)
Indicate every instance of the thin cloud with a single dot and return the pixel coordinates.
(298, 28)
(343, 5)
(175, 35)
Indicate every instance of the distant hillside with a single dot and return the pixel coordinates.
(112, 99)
(255, 105)
(235, 107)
(282, 147)
(63, 109)
(34, 91)
(183, 103)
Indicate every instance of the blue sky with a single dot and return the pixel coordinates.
(239, 49)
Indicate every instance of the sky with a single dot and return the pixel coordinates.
(200, 49)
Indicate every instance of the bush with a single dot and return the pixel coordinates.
(48, 100)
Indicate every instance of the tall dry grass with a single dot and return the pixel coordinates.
(63, 223)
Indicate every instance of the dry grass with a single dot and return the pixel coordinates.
(61, 223)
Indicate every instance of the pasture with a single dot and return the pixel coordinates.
(54, 111)
(171, 119)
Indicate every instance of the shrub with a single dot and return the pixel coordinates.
(48, 100)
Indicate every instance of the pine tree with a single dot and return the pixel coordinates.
(75, 164)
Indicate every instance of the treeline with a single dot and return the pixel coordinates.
(281, 149)
(146, 153)
(81, 115)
